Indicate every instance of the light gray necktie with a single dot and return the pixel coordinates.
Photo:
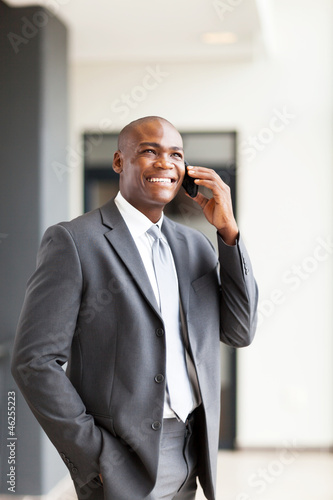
(178, 383)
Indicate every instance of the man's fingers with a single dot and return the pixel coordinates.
(203, 172)
(201, 200)
(207, 177)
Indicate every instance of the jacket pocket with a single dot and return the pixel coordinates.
(207, 279)
(105, 421)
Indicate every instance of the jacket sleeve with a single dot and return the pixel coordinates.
(42, 346)
(239, 295)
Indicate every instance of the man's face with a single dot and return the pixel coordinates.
(151, 166)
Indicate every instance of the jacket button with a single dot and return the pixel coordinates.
(160, 332)
(156, 426)
(74, 470)
(159, 378)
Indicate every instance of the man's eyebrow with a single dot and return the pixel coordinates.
(157, 145)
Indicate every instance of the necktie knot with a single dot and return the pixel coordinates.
(161, 251)
(155, 232)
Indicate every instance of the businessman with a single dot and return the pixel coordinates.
(136, 305)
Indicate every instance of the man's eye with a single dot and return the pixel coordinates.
(148, 151)
(178, 155)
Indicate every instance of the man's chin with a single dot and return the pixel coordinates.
(164, 194)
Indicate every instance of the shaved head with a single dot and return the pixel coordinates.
(128, 132)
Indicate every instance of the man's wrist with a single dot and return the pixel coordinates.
(229, 235)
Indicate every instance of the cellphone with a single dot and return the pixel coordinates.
(188, 183)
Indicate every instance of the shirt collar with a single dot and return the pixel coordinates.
(136, 221)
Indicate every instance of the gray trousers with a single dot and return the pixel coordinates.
(177, 467)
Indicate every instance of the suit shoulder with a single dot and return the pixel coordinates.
(87, 219)
(79, 227)
(91, 222)
(78, 230)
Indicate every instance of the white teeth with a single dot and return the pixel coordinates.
(164, 180)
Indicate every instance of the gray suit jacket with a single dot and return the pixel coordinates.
(90, 303)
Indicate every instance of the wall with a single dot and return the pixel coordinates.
(33, 126)
(282, 107)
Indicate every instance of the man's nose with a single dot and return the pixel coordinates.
(163, 163)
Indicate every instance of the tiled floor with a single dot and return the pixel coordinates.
(242, 475)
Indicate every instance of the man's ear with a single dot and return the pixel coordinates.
(117, 164)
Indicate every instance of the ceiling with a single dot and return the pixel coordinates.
(160, 30)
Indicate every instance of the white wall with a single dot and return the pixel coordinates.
(285, 379)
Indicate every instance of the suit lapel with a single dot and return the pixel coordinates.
(122, 242)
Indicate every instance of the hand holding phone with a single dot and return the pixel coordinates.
(188, 183)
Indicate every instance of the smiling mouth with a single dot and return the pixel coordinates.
(161, 180)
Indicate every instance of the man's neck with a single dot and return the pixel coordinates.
(152, 213)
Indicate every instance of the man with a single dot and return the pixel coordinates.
(137, 415)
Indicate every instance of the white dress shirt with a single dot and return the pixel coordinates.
(138, 225)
